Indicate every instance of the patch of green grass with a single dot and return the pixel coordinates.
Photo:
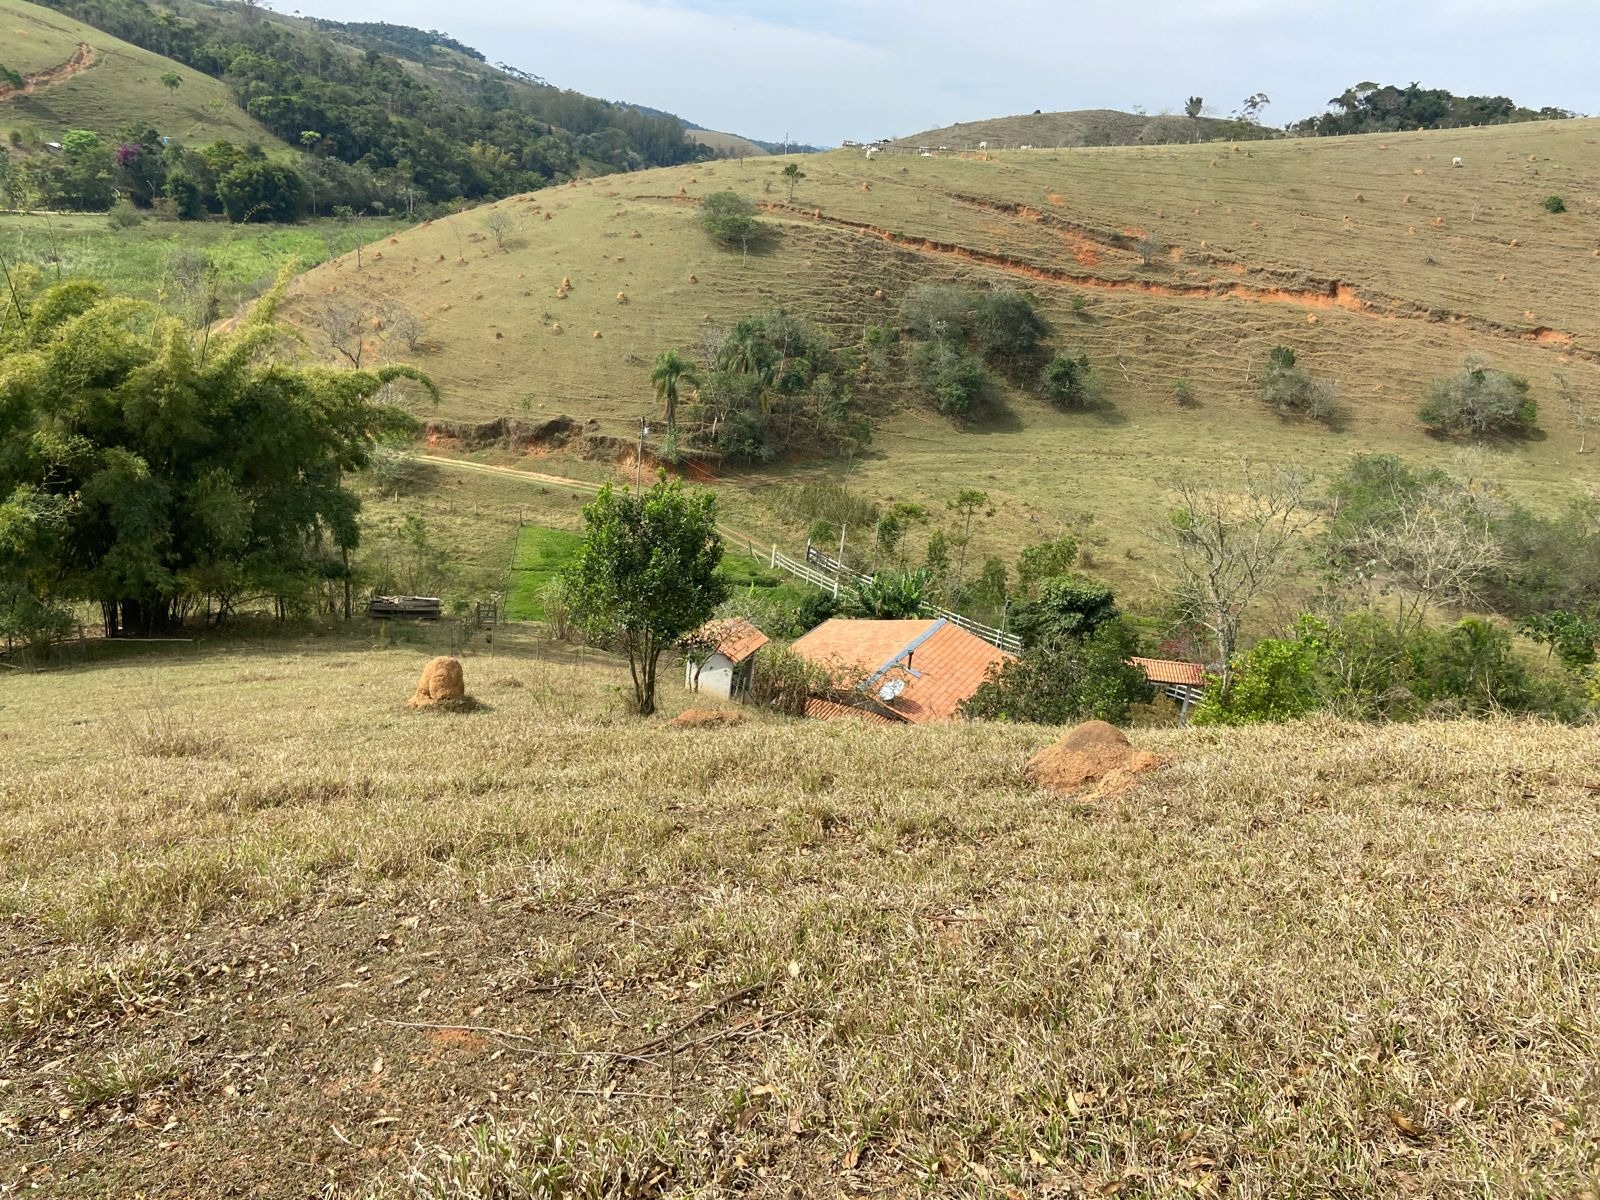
(541, 555)
(140, 261)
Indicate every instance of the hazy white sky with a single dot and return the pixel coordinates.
(826, 70)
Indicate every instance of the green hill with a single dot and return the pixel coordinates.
(107, 85)
(1379, 264)
(393, 117)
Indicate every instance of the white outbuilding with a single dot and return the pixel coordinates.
(724, 659)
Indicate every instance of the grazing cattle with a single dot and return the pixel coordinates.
(872, 152)
(983, 145)
(1456, 162)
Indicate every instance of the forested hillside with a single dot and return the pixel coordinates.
(390, 116)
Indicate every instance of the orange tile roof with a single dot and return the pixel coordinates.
(945, 666)
(827, 710)
(737, 639)
(1165, 670)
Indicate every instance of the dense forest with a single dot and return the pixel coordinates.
(374, 127)
(1375, 108)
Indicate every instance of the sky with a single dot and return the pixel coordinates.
(823, 71)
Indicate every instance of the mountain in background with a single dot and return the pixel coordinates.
(386, 116)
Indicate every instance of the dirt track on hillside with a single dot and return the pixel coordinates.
(82, 59)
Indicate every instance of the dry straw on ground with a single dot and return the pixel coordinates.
(345, 954)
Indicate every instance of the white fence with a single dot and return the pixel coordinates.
(831, 576)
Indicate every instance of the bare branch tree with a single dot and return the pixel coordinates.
(1432, 545)
(407, 325)
(1582, 407)
(345, 326)
(1229, 547)
(499, 224)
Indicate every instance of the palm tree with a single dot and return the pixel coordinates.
(671, 372)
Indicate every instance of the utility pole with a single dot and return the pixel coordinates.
(840, 572)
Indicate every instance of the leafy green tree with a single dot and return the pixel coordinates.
(1193, 107)
(1067, 607)
(1570, 635)
(730, 220)
(1479, 403)
(1077, 679)
(1045, 560)
(1070, 383)
(171, 80)
(671, 372)
(950, 376)
(1275, 680)
(146, 468)
(261, 190)
(646, 574)
(792, 175)
(966, 505)
(1006, 326)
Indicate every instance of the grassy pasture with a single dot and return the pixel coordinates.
(730, 143)
(1260, 253)
(139, 261)
(266, 931)
(122, 85)
(541, 556)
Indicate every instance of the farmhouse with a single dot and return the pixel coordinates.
(914, 672)
(1184, 682)
(730, 647)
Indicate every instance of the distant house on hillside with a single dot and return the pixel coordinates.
(1184, 682)
(913, 672)
(729, 647)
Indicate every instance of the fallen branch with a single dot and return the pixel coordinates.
(666, 1039)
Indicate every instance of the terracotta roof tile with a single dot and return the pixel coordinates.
(1164, 670)
(944, 669)
(827, 710)
(737, 638)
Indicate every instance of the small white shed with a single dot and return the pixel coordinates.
(729, 649)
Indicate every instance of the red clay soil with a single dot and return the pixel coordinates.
(699, 718)
(1091, 753)
(1334, 294)
(82, 59)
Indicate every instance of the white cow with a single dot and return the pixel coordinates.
(983, 145)
(1456, 162)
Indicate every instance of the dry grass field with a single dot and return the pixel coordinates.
(118, 83)
(1380, 264)
(265, 932)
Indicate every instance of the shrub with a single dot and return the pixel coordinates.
(1479, 402)
(783, 681)
(1074, 680)
(1070, 383)
(1293, 392)
(730, 220)
(935, 313)
(1068, 607)
(1006, 326)
(1183, 394)
(891, 595)
(1275, 680)
(123, 214)
(1554, 204)
(950, 376)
